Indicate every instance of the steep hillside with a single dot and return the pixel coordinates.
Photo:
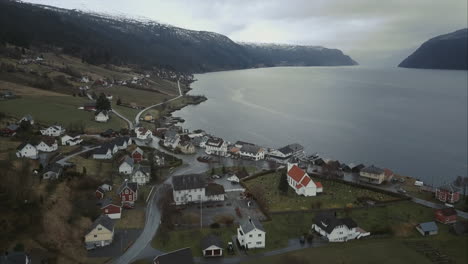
(447, 51)
(98, 39)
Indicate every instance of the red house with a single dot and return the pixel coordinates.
(100, 193)
(128, 193)
(111, 210)
(446, 215)
(447, 194)
(137, 155)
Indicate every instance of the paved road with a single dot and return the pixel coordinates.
(137, 118)
(85, 149)
(130, 124)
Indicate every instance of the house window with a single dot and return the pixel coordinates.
(250, 235)
(99, 229)
(95, 235)
(126, 191)
(259, 242)
(259, 235)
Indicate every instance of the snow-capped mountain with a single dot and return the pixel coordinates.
(100, 39)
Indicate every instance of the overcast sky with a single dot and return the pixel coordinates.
(370, 31)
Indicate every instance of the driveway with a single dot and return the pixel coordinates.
(123, 238)
(63, 161)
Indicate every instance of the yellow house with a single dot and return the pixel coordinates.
(372, 175)
(101, 233)
(148, 117)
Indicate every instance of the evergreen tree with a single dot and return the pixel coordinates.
(102, 103)
(283, 183)
(119, 101)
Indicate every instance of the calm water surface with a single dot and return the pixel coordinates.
(411, 121)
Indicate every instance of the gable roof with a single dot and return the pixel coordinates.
(138, 150)
(144, 169)
(104, 112)
(131, 185)
(108, 202)
(103, 220)
(252, 149)
(449, 188)
(373, 170)
(214, 189)
(49, 141)
(447, 211)
(215, 142)
(211, 240)
(103, 149)
(56, 168)
(120, 141)
(296, 173)
(250, 224)
(428, 226)
(328, 221)
(127, 159)
(291, 148)
(22, 145)
(180, 256)
(189, 181)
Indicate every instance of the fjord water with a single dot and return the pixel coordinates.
(409, 120)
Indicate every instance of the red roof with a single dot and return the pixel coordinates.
(296, 173)
(318, 184)
(388, 172)
(306, 180)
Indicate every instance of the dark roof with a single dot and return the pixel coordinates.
(57, 168)
(243, 143)
(120, 141)
(14, 258)
(250, 224)
(189, 181)
(103, 149)
(180, 256)
(215, 142)
(449, 188)
(328, 221)
(214, 189)
(358, 168)
(250, 149)
(211, 240)
(103, 220)
(128, 160)
(145, 169)
(291, 148)
(49, 141)
(22, 145)
(132, 185)
(103, 111)
(373, 169)
(448, 211)
(319, 162)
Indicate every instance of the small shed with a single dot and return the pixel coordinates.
(100, 193)
(212, 246)
(111, 210)
(428, 228)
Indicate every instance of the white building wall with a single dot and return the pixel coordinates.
(253, 239)
(125, 168)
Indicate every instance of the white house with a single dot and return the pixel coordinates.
(252, 152)
(47, 144)
(171, 139)
(212, 246)
(251, 234)
(126, 167)
(141, 174)
(104, 152)
(27, 118)
(283, 154)
(143, 133)
(68, 140)
(337, 229)
(216, 146)
(27, 150)
(101, 116)
(193, 188)
(53, 131)
(300, 181)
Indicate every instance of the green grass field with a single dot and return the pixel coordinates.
(130, 95)
(335, 195)
(48, 110)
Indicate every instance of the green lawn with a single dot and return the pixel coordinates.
(128, 112)
(335, 195)
(63, 110)
(131, 95)
(190, 238)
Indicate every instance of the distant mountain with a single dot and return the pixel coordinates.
(295, 55)
(100, 39)
(447, 51)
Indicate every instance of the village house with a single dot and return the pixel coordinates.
(446, 215)
(283, 154)
(252, 152)
(251, 234)
(128, 193)
(216, 146)
(143, 133)
(100, 193)
(27, 150)
(122, 142)
(104, 152)
(111, 210)
(447, 194)
(47, 144)
(101, 233)
(52, 172)
(53, 131)
(106, 187)
(71, 140)
(186, 147)
(214, 192)
(27, 118)
(212, 246)
(137, 155)
(126, 166)
(427, 228)
(101, 116)
(171, 139)
(141, 174)
(337, 229)
(15, 257)
(372, 175)
(188, 188)
(301, 182)
(180, 256)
